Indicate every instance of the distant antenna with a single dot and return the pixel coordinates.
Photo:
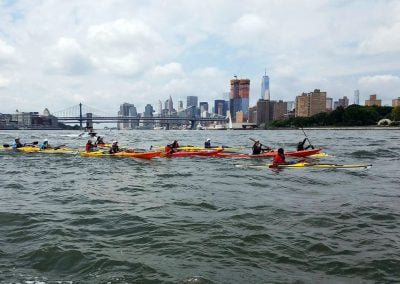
(265, 71)
(235, 76)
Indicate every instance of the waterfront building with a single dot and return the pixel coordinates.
(396, 102)
(290, 106)
(220, 107)
(343, 102)
(264, 112)
(329, 102)
(253, 114)
(191, 101)
(279, 109)
(32, 120)
(265, 93)
(127, 110)
(239, 98)
(240, 117)
(159, 108)
(308, 104)
(356, 97)
(170, 105)
(203, 107)
(373, 101)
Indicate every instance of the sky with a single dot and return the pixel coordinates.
(56, 53)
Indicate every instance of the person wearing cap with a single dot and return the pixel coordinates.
(207, 144)
(17, 143)
(45, 145)
(89, 147)
(114, 148)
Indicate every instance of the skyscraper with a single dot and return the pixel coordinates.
(127, 110)
(239, 98)
(191, 101)
(220, 107)
(170, 105)
(265, 94)
(311, 103)
(203, 107)
(180, 105)
(159, 108)
(356, 97)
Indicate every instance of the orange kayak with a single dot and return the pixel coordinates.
(303, 153)
(142, 155)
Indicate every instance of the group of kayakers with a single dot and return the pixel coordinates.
(90, 146)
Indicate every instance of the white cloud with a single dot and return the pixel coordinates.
(68, 58)
(169, 69)
(384, 39)
(386, 86)
(4, 82)
(7, 52)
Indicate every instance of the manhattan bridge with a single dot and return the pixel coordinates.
(86, 116)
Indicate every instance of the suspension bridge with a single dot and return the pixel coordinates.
(84, 114)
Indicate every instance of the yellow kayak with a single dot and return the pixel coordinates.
(321, 155)
(197, 148)
(55, 150)
(309, 165)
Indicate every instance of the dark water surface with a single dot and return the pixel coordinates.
(200, 219)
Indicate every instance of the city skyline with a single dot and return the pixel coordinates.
(65, 54)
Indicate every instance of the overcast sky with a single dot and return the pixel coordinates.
(56, 54)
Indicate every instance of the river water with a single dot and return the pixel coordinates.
(200, 219)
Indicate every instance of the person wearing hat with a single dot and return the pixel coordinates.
(89, 147)
(17, 143)
(114, 148)
(45, 145)
(207, 144)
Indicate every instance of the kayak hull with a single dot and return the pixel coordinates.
(303, 153)
(32, 149)
(193, 153)
(308, 165)
(141, 155)
(198, 148)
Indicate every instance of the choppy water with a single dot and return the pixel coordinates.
(199, 219)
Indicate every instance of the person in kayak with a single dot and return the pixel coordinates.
(279, 158)
(17, 143)
(89, 147)
(207, 144)
(258, 148)
(99, 141)
(300, 145)
(45, 145)
(175, 145)
(114, 148)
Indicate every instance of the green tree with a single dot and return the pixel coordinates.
(395, 114)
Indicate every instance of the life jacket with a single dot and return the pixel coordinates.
(279, 158)
(257, 149)
(168, 149)
(88, 147)
(207, 144)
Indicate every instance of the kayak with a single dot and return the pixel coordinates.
(309, 165)
(193, 153)
(56, 150)
(303, 153)
(142, 155)
(197, 148)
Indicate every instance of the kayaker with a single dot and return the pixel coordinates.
(169, 149)
(279, 158)
(175, 145)
(207, 144)
(99, 141)
(114, 148)
(45, 145)
(258, 148)
(300, 145)
(89, 147)
(17, 143)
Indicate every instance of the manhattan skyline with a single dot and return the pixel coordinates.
(57, 53)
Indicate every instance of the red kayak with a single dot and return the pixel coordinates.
(303, 153)
(193, 153)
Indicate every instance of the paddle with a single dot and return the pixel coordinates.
(58, 147)
(6, 145)
(312, 147)
(265, 149)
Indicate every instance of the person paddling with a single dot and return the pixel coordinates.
(258, 148)
(207, 144)
(114, 148)
(89, 147)
(300, 145)
(45, 145)
(17, 143)
(279, 158)
(99, 141)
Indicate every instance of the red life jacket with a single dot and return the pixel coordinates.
(167, 149)
(279, 158)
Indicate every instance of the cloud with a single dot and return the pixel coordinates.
(68, 58)
(4, 82)
(7, 52)
(125, 47)
(384, 39)
(386, 86)
(169, 69)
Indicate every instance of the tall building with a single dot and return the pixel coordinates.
(239, 98)
(159, 107)
(220, 107)
(356, 97)
(279, 109)
(265, 93)
(343, 102)
(264, 112)
(329, 103)
(191, 101)
(170, 105)
(290, 106)
(127, 110)
(373, 101)
(180, 105)
(308, 104)
(396, 102)
(148, 112)
(203, 106)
